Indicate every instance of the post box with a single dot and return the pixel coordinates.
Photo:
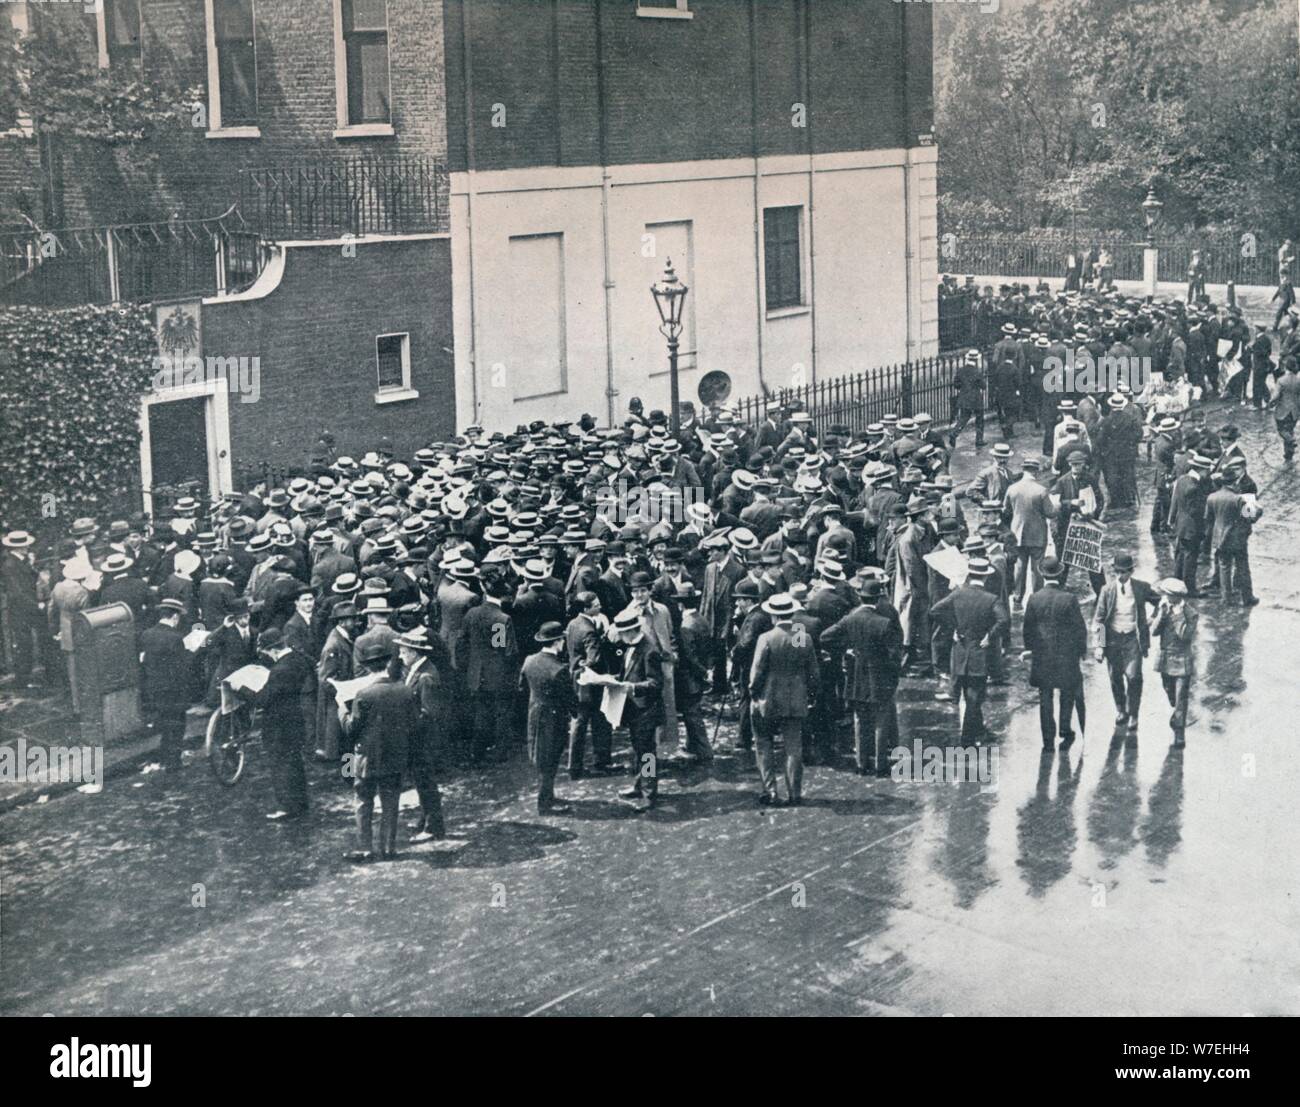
(108, 672)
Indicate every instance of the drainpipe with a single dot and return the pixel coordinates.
(758, 210)
(606, 188)
(805, 29)
(471, 187)
(911, 281)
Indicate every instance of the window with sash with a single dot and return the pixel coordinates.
(783, 257)
(235, 44)
(365, 60)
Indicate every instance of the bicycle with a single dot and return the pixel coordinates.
(231, 730)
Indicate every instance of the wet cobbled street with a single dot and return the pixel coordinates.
(1121, 876)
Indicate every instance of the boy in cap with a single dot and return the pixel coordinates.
(1175, 627)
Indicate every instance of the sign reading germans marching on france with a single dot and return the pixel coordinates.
(1083, 545)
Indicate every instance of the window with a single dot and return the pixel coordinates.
(232, 68)
(118, 28)
(667, 9)
(361, 61)
(782, 256)
(393, 368)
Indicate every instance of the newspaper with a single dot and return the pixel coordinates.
(345, 691)
(242, 685)
(950, 562)
(194, 641)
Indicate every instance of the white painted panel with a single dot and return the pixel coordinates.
(538, 356)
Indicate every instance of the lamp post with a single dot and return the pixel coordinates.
(670, 297)
(1072, 183)
(1151, 209)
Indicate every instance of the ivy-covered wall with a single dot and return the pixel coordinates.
(70, 388)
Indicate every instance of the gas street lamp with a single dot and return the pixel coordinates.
(670, 297)
(1151, 209)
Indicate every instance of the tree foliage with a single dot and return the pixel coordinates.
(1201, 97)
(51, 78)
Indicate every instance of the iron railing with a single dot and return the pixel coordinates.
(131, 263)
(1240, 257)
(328, 198)
(860, 399)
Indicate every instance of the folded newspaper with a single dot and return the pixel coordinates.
(345, 691)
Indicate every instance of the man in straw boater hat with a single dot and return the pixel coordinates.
(977, 617)
(1056, 639)
(783, 679)
(551, 704)
(426, 671)
(633, 661)
(1175, 627)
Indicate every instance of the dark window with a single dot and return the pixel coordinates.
(236, 61)
(122, 32)
(392, 369)
(365, 42)
(782, 257)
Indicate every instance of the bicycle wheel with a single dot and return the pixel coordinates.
(225, 745)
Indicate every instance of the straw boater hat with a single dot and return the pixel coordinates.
(17, 540)
(782, 606)
(627, 622)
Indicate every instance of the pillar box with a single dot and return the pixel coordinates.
(108, 672)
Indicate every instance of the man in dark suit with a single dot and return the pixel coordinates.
(550, 706)
(282, 722)
(872, 644)
(633, 660)
(1056, 639)
(694, 657)
(723, 572)
(977, 618)
(231, 646)
(968, 399)
(335, 663)
(583, 637)
(490, 655)
(782, 681)
(1187, 519)
(753, 622)
(1122, 637)
(22, 605)
(426, 667)
(381, 723)
(165, 680)
(122, 585)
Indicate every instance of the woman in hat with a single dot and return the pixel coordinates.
(1175, 627)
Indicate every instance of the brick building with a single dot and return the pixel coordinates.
(323, 121)
(780, 152)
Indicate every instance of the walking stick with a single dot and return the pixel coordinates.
(717, 723)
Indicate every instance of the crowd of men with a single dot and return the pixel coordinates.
(543, 588)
